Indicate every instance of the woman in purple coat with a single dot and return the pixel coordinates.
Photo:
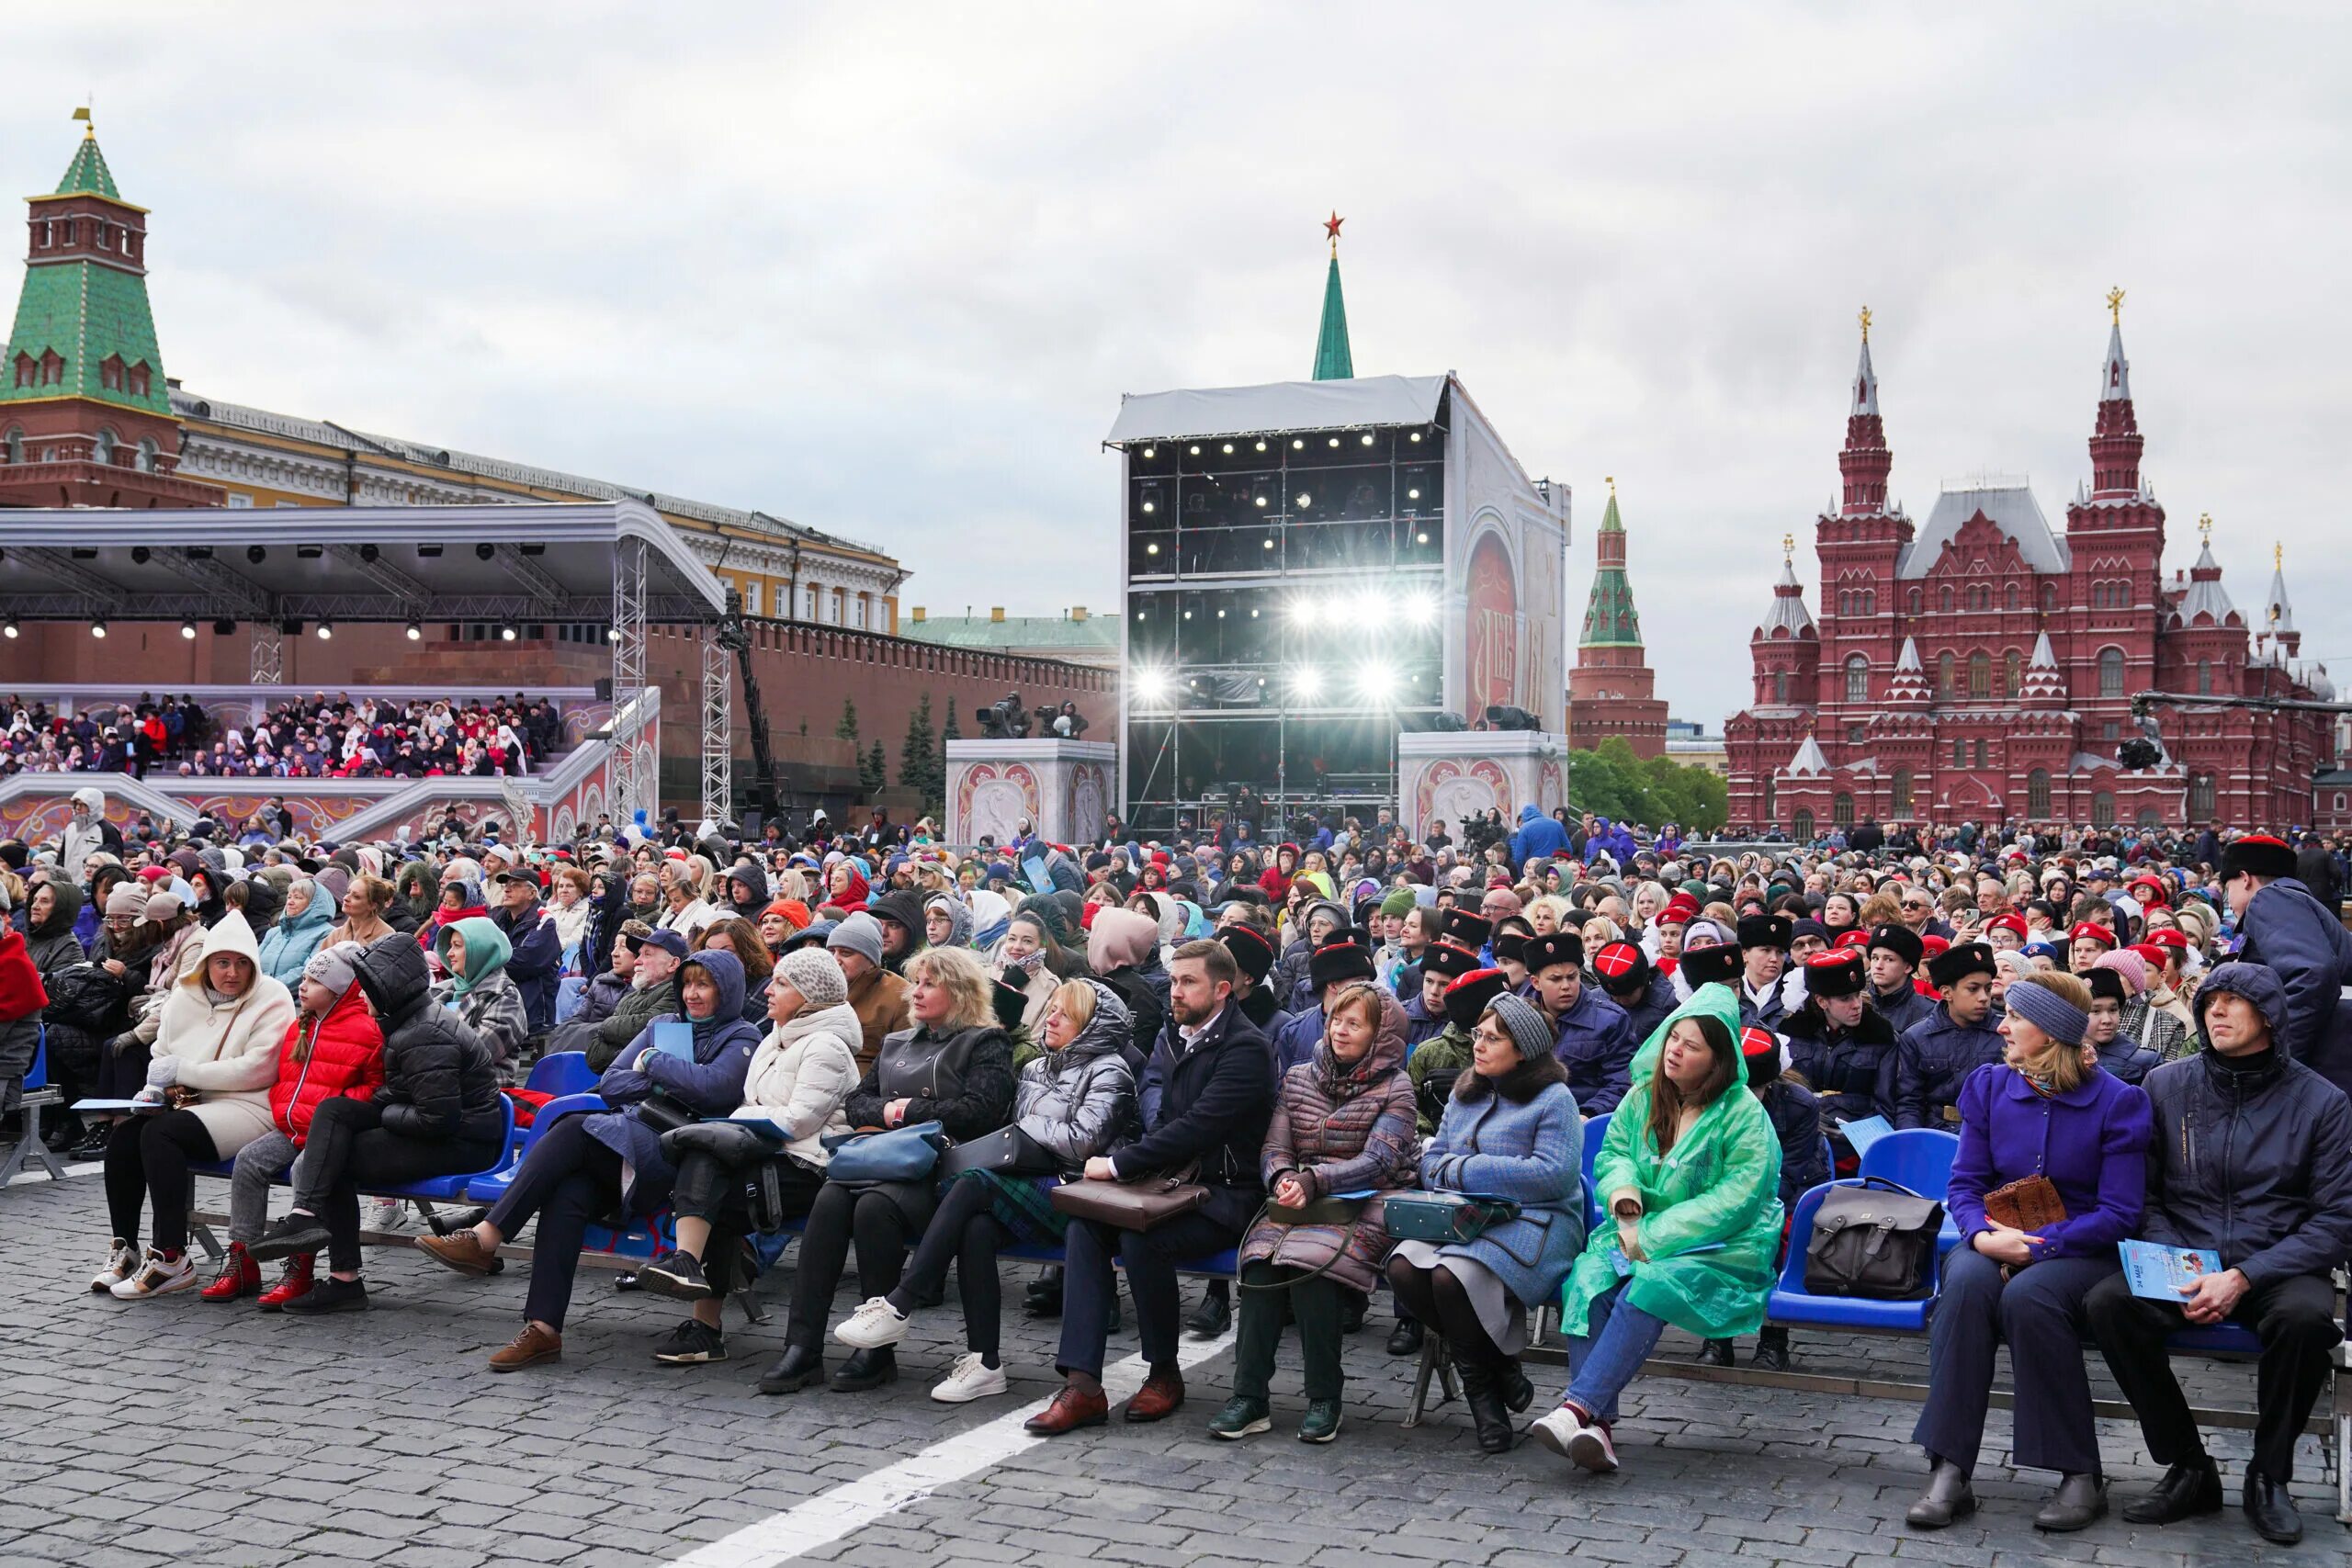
(2046, 1109)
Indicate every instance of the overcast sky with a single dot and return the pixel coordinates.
(886, 270)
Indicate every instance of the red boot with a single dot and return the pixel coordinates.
(295, 1281)
(239, 1276)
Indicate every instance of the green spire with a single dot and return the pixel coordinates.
(1332, 360)
(1610, 620)
(86, 318)
(88, 174)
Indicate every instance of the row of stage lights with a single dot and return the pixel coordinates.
(1377, 684)
(507, 630)
(1297, 444)
(1364, 611)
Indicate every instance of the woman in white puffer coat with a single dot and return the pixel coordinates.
(216, 1045)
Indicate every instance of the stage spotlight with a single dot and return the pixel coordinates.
(1306, 682)
(1228, 449)
(1151, 549)
(1152, 685)
(1304, 501)
(187, 630)
(10, 630)
(224, 627)
(326, 631)
(1420, 538)
(98, 627)
(1377, 683)
(506, 632)
(1412, 495)
(1421, 608)
(1262, 501)
(1195, 451)
(612, 634)
(484, 550)
(415, 632)
(1367, 437)
(309, 552)
(255, 554)
(1151, 451)
(1306, 609)
(1297, 444)
(1262, 444)
(1335, 441)
(1415, 435)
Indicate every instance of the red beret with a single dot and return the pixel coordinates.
(2008, 923)
(2093, 932)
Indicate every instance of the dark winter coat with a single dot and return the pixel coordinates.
(1901, 1007)
(1651, 1008)
(603, 1042)
(1208, 1099)
(1841, 1066)
(1932, 1059)
(2249, 1160)
(440, 1082)
(2305, 946)
(536, 962)
(1796, 1118)
(1596, 1044)
(2128, 1059)
(709, 1083)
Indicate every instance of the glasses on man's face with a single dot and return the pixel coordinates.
(120, 922)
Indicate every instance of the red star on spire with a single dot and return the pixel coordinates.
(1331, 225)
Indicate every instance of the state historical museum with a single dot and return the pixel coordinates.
(1981, 667)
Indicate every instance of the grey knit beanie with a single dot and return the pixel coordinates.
(816, 974)
(1525, 1026)
(333, 967)
(861, 934)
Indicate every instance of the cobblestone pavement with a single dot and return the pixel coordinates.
(177, 1431)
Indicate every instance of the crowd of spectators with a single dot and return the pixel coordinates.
(1312, 1032)
(369, 736)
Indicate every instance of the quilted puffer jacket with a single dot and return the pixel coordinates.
(339, 1052)
(439, 1080)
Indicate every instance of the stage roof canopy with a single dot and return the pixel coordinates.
(1280, 406)
(535, 562)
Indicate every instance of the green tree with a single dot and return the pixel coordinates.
(875, 772)
(847, 728)
(1610, 780)
(919, 754)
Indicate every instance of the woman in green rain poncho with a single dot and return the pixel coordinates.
(1691, 1173)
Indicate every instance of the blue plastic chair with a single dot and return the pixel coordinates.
(1596, 1128)
(451, 1189)
(563, 1072)
(1919, 1158)
(1790, 1303)
(491, 1185)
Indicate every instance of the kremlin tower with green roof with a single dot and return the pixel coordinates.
(1611, 690)
(85, 414)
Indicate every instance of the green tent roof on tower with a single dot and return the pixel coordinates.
(88, 174)
(1608, 617)
(1332, 360)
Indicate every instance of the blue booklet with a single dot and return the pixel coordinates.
(2163, 1273)
(1864, 1130)
(673, 1037)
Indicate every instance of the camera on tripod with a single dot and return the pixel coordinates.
(1064, 722)
(1005, 719)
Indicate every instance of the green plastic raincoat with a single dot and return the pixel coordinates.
(1719, 1188)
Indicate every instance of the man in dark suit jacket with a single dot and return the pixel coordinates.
(1206, 1097)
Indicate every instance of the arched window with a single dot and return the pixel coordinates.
(2110, 672)
(1780, 689)
(1959, 753)
(2150, 817)
(2103, 809)
(1982, 756)
(2204, 677)
(104, 451)
(2010, 598)
(1913, 600)
(2048, 596)
(1980, 597)
(1899, 793)
(2012, 667)
(2037, 793)
(1841, 810)
(1771, 802)
(148, 452)
(2201, 797)
(1944, 596)
(1801, 829)
(1944, 688)
(2098, 595)
(1869, 600)
(1858, 678)
(1845, 602)
(16, 444)
(1980, 674)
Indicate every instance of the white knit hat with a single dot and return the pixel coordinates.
(816, 974)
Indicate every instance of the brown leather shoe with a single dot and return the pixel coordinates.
(527, 1348)
(461, 1250)
(1070, 1410)
(1160, 1396)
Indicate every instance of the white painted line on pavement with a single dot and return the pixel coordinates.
(33, 1174)
(831, 1514)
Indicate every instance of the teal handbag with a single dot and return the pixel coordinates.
(1445, 1218)
(902, 1154)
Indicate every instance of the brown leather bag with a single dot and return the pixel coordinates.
(2028, 1204)
(1137, 1205)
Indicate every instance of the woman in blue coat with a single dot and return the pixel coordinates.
(589, 1165)
(1512, 1130)
(297, 932)
(2046, 1110)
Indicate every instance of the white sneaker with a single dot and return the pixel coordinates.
(157, 1276)
(122, 1262)
(971, 1379)
(1557, 1430)
(386, 1214)
(872, 1325)
(1585, 1444)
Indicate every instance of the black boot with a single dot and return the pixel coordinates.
(1771, 1351)
(1044, 1296)
(2270, 1511)
(2187, 1491)
(867, 1369)
(1714, 1353)
(1407, 1339)
(800, 1366)
(1511, 1385)
(1486, 1400)
(1215, 1314)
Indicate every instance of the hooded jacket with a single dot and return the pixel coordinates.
(340, 1053)
(1341, 1129)
(1539, 838)
(2249, 1160)
(51, 945)
(1123, 949)
(227, 1050)
(440, 1083)
(2305, 944)
(906, 909)
(1718, 1189)
(1080, 1101)
(959, 918)
(708, 1083)
(484, 995)
(534, 962)
(289, 944)
(801, 1075)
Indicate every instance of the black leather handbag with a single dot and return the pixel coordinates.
(1008, 1151)
(1876, 1240)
